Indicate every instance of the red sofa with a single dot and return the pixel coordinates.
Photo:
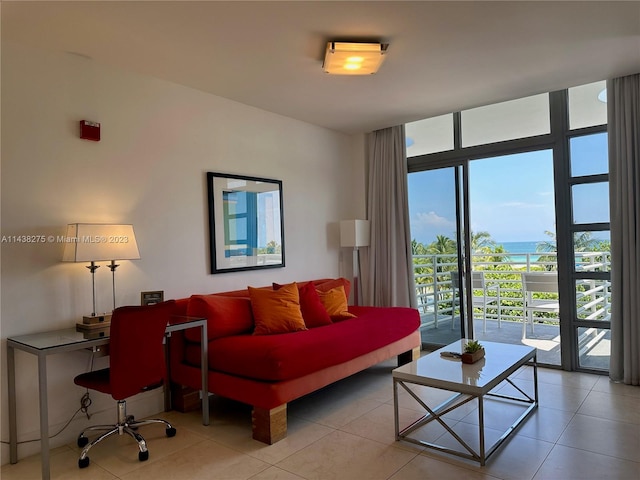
(267, 371)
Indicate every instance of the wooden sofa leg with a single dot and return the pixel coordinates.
(269, 425)
(410, 356)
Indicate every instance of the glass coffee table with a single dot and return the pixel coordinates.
(467, 382)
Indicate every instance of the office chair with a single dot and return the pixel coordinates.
(136, 364)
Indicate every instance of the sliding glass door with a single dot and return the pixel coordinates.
(516, 195)
(509, 230)
(514, 253)
(435, 210)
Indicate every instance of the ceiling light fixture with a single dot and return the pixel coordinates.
(346, 58)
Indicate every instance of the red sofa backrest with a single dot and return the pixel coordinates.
(229, 313)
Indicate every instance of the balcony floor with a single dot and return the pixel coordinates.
(546, 337)
(594, 347)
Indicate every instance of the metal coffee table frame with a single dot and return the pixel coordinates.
(517, 356)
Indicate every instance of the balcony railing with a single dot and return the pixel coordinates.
(437, 295)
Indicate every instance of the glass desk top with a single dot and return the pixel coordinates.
(69, 336)
(52, 339)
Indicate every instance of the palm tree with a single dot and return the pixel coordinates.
(548, 245)
(273, 247)
(481, 242)
(418, 248)
(442, 245)
(500, 254)
(422, 271)
(582, 242)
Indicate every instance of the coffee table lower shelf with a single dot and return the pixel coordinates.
(463, 394)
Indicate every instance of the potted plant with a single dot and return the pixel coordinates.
(473, 351)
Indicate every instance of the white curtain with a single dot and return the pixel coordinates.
(389, 268)
(623, 108)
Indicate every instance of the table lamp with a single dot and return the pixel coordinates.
(92, 242)
(355, 233)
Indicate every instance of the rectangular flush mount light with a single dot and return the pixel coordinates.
(342, 58)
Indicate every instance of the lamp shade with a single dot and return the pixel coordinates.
(92, 242)
(354, 233)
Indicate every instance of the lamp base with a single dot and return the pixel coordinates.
(90, 320)
(95, 330)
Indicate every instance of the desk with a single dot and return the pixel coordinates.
(468, 382)
(69, 340)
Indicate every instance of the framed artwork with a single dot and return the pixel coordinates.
(246, 225)
(151, 298)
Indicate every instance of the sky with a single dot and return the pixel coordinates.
(511, 196)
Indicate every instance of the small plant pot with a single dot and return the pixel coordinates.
(472, 357)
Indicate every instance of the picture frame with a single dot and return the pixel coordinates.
(151, 298)
(246, 223)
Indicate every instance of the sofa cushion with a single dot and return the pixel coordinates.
(276, 311)
(283, 357)
(313, 311)
(225, 316)
(335, 303)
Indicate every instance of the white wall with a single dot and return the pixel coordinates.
(158, 140)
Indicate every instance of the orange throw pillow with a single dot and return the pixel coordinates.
(276, 311)
(313, 312)
(336, 282)
(335, 303)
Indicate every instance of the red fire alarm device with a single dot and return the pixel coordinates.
(90, 130)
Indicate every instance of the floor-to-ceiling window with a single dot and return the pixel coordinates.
(514, 196)
(588, 228)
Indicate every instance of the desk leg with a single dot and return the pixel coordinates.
(44, 416)
(204, 368)
(167, 385)
(13, 429)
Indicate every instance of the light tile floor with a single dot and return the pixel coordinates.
(585, 428)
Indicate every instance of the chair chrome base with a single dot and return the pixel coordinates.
(126, 424)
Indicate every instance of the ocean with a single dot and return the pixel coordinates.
(521, 247)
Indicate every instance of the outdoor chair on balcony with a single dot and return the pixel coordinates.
(478, 282)
(538, 282)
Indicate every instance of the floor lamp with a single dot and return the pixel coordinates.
(91, 242)
(355, 234)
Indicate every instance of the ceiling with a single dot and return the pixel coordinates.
(442, 57)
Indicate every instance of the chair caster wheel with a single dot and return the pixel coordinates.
(83, 462)
(171, 432)
(82, 441)
(142, 456)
